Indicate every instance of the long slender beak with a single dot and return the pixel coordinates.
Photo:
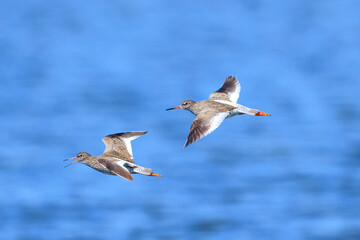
(69, 158)
(72, 162)
(178, 107)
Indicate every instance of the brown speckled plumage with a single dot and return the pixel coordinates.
(211, 113)
(117, 158)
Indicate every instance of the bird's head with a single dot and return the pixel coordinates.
(184, 105)
(81, 157)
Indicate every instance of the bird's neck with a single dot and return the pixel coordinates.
(195, 108)
(89, 160)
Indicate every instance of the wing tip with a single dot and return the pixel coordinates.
(127, 134)
(230, 84)
(188, 142)
(230, 77)
(130, 178)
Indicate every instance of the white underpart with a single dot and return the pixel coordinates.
(227, 102)
(234, 96)
(216, 121)
(122, 163)
(127, 142)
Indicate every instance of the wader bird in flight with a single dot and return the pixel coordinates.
(117, 158)
(212, 112)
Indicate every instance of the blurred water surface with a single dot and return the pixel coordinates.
(72, 72)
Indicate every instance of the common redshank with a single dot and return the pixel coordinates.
(212, 112)
(117, 158)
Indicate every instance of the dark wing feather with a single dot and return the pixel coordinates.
(229, 91)
(205, 123)
(116, 169)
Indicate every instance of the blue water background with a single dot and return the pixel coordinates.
(72, 72)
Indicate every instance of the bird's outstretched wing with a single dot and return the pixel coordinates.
(229, 91)
(205, 123)
(119, 144)
(116, 169)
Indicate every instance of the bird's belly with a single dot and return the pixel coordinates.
(233, 113)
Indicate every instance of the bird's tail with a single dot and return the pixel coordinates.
(145, 171)
(250, 111)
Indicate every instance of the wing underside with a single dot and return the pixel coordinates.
(205, 123)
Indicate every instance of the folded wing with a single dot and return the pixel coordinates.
(229, 91)
(116, 169)
(119, 144)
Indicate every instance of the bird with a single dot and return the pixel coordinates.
(211, 113)
(117, 158)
